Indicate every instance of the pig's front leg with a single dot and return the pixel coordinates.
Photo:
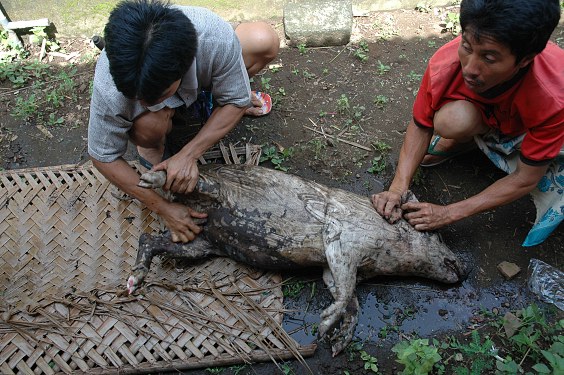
(340, 277)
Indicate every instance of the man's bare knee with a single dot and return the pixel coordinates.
(259, 43)
(149, 129)
(459, 120)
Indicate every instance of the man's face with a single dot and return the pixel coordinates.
(166, 94)
(486, 63)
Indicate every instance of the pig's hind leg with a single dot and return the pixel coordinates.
(151, 246)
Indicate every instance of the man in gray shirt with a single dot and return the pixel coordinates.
(157, 61)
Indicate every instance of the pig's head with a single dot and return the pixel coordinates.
(431, 257)
(434, 260)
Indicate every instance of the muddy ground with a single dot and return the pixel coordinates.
(338, 109)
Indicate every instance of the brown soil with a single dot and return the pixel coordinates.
(336, 146)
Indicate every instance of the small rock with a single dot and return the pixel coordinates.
(508, 270)
(443, 312)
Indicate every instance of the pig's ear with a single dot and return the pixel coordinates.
(408, 196)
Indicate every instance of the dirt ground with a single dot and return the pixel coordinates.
(339, 112)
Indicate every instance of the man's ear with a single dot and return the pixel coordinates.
(526, 60)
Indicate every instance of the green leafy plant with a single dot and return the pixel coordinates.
(265, 83)
(293, 289)
(361, 52)
(308, 75)
(286, 369)
(451, 23)
(277, 157)
(381, 101)
(237, 369)
(414, 77)
(40, 34)
(25, 108)
(480, 353)
(343, 105)
(370, 362)
(378, 163)
(53, 120)
(317, 146)
(10, 49)
(214, 370)
(302, 48)
(382, 69)
(417, 356)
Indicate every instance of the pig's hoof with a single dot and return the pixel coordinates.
(132, 284)
(152, 179)
(136, 279)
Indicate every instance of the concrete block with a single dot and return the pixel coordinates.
(318, 23)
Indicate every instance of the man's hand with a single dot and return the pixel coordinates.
(387, 204)
(181, 173)
(426, 216)
(178, 219)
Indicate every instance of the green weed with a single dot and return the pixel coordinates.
(215, 370)
(417, 356)
(370, 362)
(265, 83)
(277, 157)
(39, 34)
(478, 352)
(302, 48)
(381, 101)
(293, 289)
(21, 74)
(451, 23)
(382, 69)
(286, 369)
(25, 108)
(378, 163)
(343, 105)
(237, 369)
(54, 121)
(318, 146)
(361, 52)
(10, 48)
(414, 77)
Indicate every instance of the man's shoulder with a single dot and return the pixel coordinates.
(106, 96)
(547, 72)
(445, 60)
(204, 20)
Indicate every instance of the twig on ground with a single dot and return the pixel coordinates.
(342, 140)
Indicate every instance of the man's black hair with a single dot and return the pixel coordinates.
(524, 26)
(149, 45)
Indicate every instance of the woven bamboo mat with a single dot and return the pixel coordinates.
(67, 244)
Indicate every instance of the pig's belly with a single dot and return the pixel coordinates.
(265, 241)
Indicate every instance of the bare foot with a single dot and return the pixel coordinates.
(261, 103)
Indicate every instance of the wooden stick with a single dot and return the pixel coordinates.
(343, 140)
(195, 363)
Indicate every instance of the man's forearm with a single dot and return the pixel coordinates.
(121, 174)
(221, 122)
(413, 150)
(502, 192)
